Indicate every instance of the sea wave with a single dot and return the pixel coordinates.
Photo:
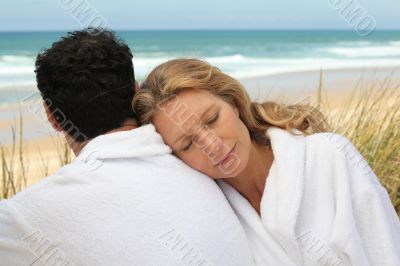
(354, 43)
(366, 52)
(238, 65)
(16, 59)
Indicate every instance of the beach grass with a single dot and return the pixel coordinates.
(18, 165)
(13, 163)
(370, 118)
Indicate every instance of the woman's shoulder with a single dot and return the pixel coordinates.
(340, 152)
(331, 145)
(324, 141)
(333, 142)
(325, 146)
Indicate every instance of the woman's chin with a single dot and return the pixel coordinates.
(231, 173)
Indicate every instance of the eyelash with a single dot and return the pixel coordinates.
(188, 146)
(213, 120)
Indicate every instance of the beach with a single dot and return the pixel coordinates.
(287, 66)
(44, 150)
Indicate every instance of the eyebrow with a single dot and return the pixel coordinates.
(201, 117)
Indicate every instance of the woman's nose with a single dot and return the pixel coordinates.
(209, 142)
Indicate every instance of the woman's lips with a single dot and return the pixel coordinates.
(226, 157)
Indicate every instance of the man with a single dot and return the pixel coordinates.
(124, 200)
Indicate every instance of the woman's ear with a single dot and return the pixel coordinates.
(136, 87)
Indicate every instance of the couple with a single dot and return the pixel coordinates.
(187, 170)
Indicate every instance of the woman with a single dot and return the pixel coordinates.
(304, 197)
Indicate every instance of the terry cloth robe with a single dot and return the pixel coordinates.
(125, 200)
(322, 205)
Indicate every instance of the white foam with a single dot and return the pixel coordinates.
(375, 51)
(17, 59)
(8, 70)
(353, 43)
(238, 65)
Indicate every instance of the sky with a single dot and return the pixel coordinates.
(42, 15)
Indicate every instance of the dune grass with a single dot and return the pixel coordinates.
(13, 164)
(370, 118)
(16, 165)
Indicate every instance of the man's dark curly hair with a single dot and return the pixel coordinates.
(87, 80)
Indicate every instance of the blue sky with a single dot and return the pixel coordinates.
(200, 14)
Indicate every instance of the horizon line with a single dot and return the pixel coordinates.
(199, 29)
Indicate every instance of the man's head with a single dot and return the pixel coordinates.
(87, 82)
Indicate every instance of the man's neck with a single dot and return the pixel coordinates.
(77, 147)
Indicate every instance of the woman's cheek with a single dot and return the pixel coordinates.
(192, 160)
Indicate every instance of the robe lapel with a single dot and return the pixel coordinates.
(283, 190)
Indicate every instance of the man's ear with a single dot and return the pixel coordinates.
(51, 118)
(136, 86)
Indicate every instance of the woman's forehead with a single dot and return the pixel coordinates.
(194, 101)
(184, 111)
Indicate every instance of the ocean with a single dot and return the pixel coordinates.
(242, 54)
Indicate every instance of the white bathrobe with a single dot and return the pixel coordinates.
(322, 205)
(125, 200)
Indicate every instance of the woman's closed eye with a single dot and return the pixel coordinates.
(213, 119)
(188, 146)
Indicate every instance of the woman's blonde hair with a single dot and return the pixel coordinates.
(172, 77)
